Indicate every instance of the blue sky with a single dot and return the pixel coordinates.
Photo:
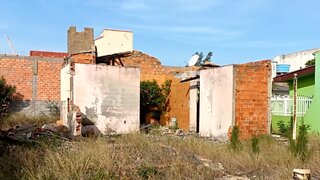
(171, 30)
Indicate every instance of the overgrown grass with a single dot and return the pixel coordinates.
(140, 156)
(21, 119)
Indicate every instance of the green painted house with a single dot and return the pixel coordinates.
(308, 91)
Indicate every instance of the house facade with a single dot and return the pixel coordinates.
(308, 82)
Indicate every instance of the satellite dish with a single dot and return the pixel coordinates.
(193, 60)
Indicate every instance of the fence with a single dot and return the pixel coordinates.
(283, 106)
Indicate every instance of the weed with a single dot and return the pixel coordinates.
(235, 143)
(139, 156)
(302, 142)
(282, 127)
(300, 147)
(255, 145)
(54, 109)
(147, 171)
(285, 129)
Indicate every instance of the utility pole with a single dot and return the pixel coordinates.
(294, 130)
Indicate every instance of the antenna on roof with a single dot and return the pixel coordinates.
(193, 60)
(13, 50)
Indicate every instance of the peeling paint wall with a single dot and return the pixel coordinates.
(108, 95)
(65, 92)
(193, 105)
(216, 101)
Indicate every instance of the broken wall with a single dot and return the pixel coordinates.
(109, 96)
(253, 93)
(216, 101)
(80, 42)
(236, 95)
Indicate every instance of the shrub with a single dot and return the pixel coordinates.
(285, 129)
(6, 94)
(235, 143)
(299, 147)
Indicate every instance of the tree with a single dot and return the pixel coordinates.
(6, 94)
(153, 95)
(311, 62)
(202, 61)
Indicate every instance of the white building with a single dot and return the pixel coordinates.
(296, 60)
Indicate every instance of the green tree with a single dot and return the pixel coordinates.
(311, 62)
(153, 95)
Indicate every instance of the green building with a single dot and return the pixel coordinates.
(308, 91)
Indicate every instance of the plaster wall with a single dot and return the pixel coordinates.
(305, 86)
(312, 116)
(65, 89)
(193, 104)
(296, 60)
(108, 96)
(216, 101)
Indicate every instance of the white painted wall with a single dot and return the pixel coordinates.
(216, 101)
(113, 42)
(65, 92)
(296, 60)
(109, 96)
(193, 94)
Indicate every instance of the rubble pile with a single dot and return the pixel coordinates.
(30, 133)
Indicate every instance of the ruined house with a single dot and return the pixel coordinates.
(94, 93)
(100, 79)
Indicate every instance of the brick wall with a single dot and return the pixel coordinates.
(151, 68)
(48, 82)
(48, 54)
(83, 58)
(19, 71)
(252, 98)
(179, 103)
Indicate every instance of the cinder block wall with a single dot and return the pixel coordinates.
(252, 98)
(80, 42)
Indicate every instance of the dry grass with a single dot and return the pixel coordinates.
(20, 119)
(141, 156)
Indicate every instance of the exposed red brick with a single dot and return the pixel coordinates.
(19, 72)
(151, 69)
(48, 54)
(252, 81)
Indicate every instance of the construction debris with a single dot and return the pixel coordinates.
(301, 174)
(30, 133)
